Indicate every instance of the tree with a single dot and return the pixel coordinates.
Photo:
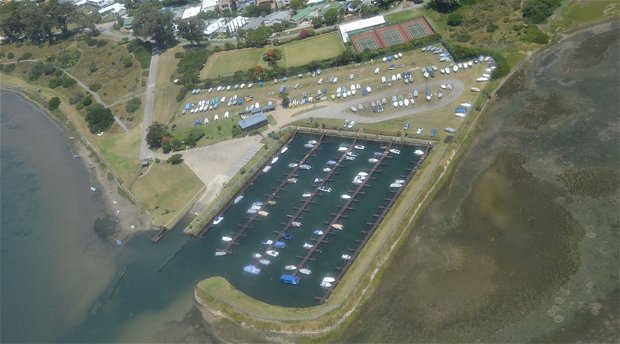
(258, 37)
(303, 34)
(298, 4)
(455, 19)
(369, 11)
(150, 22)
(175, 159)
(272, 56)
(537, 11)
(156, 133)
(443, 6)
(317, 22)
(60, 14)
(331, 16)
(53, 103)
(37, 25)
(192, 30)
(11, 24)
(133, 105)
(99, 118)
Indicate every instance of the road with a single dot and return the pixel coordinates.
(145, 152)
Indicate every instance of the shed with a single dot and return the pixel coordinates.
(254, 121)
(347, 28)
(289, 279)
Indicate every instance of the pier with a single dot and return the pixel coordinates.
(341, 212)
(244, 227)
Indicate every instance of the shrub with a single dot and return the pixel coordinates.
(190, 65)
(54, 82)
(67, 81)
(95, 86)
(455, 19)
(127, 61)
(133, 105)
(491, 27)
(79, 106)
(175, 159)
(93, 67)
(537, 11)
(141, 51)
(91, 41)
(10, 55)
(87, 100)
(179, 55)
(305, 33)
(463, 37)
(193, 137)
(181, 94)
(76, 98)
(101, 43)
(534, 35)
(25, 56)
(53, 103)
(8, 68)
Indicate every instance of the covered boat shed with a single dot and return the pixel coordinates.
(254, 121)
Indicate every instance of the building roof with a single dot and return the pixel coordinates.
(253, 120)
(280, 15)
(115, 7)
(253, 23)
(208, 5)
(191, 12)
(236, 23)
(358, 25)
(215, 25)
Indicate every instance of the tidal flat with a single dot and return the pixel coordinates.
(522, 243)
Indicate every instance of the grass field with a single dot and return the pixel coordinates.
(165, 89)
(165, 189)
(317, 48)
(579, 12)
(121, 152)
(228, 62)
(399, 17)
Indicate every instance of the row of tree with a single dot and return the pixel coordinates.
(39, 22)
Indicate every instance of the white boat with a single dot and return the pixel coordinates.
(296, 224)
(329, 279)
(482, 79)
(263, 213)
(226, 238)
(283, 150)
(218, 220)
(353, 154)
(318, 180)
(324, 189)
(342, 148)
(458, 114)
(418, 152)
(306, 245)
(406, 101)
(308, 145)
(373, 160)
(257, 256)
(290, 267)
(305, 167)
(327, 169)
(360, 147)
(401, 103)
(394, 151)
(274, 160)
(455, 68)
(266, 169)
(251, 211)
(292, 165)
(306, 195)
(467, 105)
(238, 199)
(251, 269)
(338, 226)
(292, 180)
(396, 185)
(362, 174)
(305, 271)
(345, 257)
(318, 232)
(267, 242)
(395, 104)
(272, 202)
(326, 284)
(312, 142)
(272, 253)
(345, 196)
(220, 253)
(475, 89)
(264, 261)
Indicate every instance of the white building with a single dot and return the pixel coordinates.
(190, 12)
(209, 5)
(114, 9)
(214, 26)
(359, 25)
(100, 3)
(236, 23)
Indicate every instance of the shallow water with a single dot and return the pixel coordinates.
(522, 243)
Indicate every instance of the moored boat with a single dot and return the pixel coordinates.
(373, 160)
(292, 165)
(338, 226)
(226, 238)
(266, 169)
(296, 224)
(326, 284)
(220, 253)
(274, 160)
(279, 244)
(305, 271)
(218, 220)
(318, 232)
(329, 279)
(345, 257)
(257, 255)
(360, 147)
(290, 267)
(263, 213)
(283, 150)
(418, 152)
(292, 180)
(306, 245)
(267, 242)
(305, 167)
(396, 185)
(251, 269)
(306, 195)
(238, 199)
(324, 189)
(264, 261)
(327, 169)
(394, 151)
(272, 253)
(345, 196)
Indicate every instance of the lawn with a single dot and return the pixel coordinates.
(228, 62)
(165, 189)
(318, 48)
(402, 16)
(121, 152)
(165, 90)
(578, 12)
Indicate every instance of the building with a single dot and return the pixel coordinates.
(253, 23)
(359, 25)
(100, 3)
(128, 23)
(191, 12)
(215, 26)
(114, 9)
(384, 37)
(236, 23)
(241, 4)
(225, 5)
(277, 17)
(254, 121)
(208, 5)
(260, 2)
(282, 3)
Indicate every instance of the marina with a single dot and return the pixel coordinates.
(296, 225)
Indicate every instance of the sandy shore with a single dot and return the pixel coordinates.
(128, 217)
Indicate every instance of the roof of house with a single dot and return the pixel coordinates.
(280, 15)
(253, 120)
(208, 5)
(236, 23)
(359, 24)
(191, 12)
(115, 7)
(215, 25)
(253, 22)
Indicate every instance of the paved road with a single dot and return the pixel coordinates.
(145, 152)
